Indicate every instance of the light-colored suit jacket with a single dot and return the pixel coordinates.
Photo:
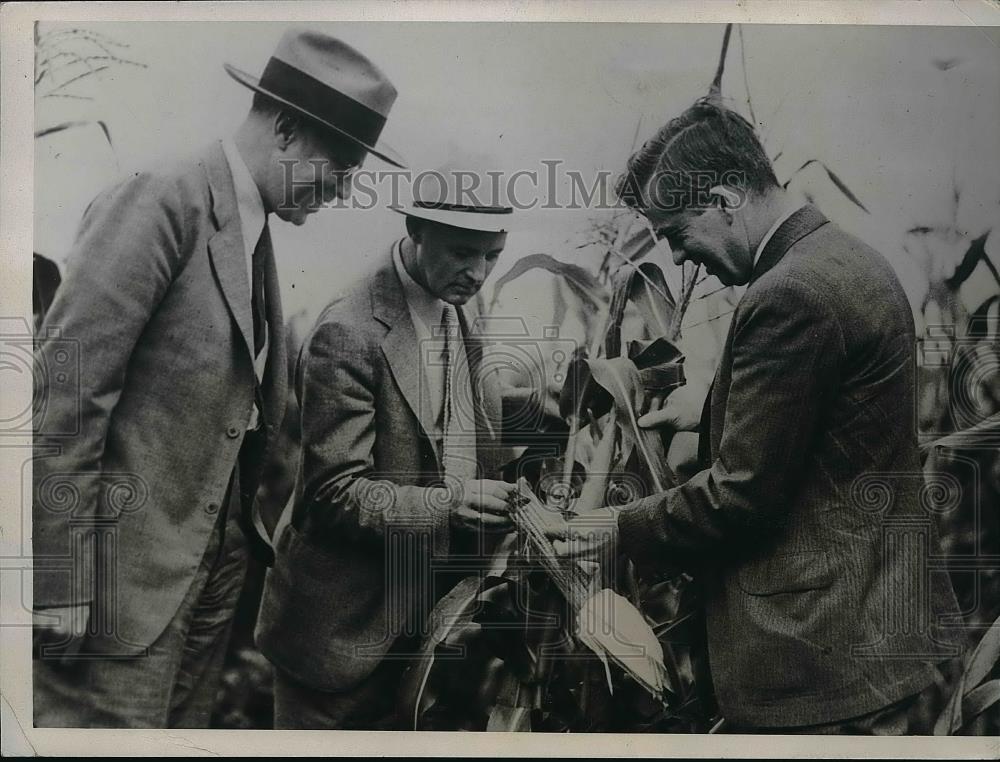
(145, 386)
(365, 554)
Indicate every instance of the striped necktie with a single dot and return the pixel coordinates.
(458, 449)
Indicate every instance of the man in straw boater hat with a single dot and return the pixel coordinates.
(400, 435)
(148, 457)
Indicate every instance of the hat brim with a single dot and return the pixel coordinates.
(484, 223)
(381, 149)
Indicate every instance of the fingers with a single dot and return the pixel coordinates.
(652, 403)
(64, 621)
(577, 548)
(489, 495)
(490, 521)
(666, 417)
(471, 519)
(493, 487)
(491, 505)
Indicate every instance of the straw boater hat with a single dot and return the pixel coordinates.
(461, 194)
(331, 83)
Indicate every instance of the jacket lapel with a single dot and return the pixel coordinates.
(226, 245)
(400, 345)
(800, 224)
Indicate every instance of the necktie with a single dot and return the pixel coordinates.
(257, 290)
(253, 449)
(458, 445)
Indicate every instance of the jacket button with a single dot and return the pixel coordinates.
(232, 432)
(212, 508)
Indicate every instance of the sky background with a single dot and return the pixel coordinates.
(901, 114)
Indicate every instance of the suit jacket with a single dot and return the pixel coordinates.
(138, 433)
(808, 524)
(365, 554)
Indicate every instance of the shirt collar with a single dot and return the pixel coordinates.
(249, 204)
(770, 233)
(427, 306)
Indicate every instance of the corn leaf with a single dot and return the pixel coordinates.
(980, 699)
(835, 179)
(68, 125)
(577, 388)
(621, 378)
(646, 287)
(596, 485)
(580, 281)
(651, 295)
(614, 629)
(983, 659)
(454, 611)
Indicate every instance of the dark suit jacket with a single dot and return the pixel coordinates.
(140, 429)
(353, 569)
(808, 524)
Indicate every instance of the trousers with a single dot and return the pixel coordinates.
(175, 682)
(370, 705)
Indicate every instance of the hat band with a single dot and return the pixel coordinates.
(322, 101)
(463, 207)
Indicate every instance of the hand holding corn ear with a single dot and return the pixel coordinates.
(593, 534)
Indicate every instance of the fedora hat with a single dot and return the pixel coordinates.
(330, 82)
(460, 194)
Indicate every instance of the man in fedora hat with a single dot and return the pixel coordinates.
(400, 434)
(148, 458)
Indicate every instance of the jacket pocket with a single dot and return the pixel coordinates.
(787, 573)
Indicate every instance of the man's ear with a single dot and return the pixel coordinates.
(728, 199)
(414, 229)
(287, 128)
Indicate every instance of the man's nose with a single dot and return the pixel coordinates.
(477, 270)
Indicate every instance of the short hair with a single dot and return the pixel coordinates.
(706, 145)
(267, 107)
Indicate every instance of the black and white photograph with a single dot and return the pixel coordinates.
(625, 378)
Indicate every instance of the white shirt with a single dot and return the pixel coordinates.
(770, 233)
(250, 207)
(426, 311)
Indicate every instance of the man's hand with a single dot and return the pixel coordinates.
(591, 535)
(482, 504)
(679, 411)
(62, 623)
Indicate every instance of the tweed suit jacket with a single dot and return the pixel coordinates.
(343, 587)
(819, 602)
(138, 431)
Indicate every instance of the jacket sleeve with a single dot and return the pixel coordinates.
(787, 348)
(342, 494)
(126, 253)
